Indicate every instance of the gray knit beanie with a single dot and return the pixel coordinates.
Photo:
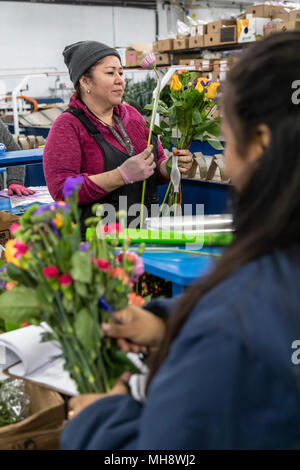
(80, 56)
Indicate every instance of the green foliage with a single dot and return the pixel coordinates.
(139, 94)
(56, 279)
(186, 113)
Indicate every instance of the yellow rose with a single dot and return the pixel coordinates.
(176, 84)
(199, 87)
(212, 90)
(10, 252)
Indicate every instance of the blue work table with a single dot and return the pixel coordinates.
(21, 157)
(181, 269)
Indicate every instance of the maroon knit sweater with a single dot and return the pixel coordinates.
(70, 151)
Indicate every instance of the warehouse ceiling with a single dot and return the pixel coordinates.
(148, 4)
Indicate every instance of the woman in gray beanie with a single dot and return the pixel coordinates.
(104, 140)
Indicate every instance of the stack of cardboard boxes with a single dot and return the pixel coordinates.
(257, 21)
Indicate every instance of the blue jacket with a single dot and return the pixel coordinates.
(228, 381)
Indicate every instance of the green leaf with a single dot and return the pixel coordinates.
(84, 329)
(20, 305)
(81, 289)
(216, 144)
(81, 267)
(196, 116)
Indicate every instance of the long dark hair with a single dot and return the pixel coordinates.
(258, 91)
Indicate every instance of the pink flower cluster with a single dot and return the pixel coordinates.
(51, 272)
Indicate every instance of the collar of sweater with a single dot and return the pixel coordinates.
(120, 110)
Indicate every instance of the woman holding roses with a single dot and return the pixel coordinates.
(102, 139)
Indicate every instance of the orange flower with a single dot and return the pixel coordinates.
(58, 220)
(135, 299)
(119, 273)
(176, 83)
(9, 285)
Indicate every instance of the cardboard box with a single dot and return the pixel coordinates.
(294, 15)
(165, 45)
(6, 220)
(269, 31)
(228, 35)
(42, 428)
(215, 26)
(289, 26)
(155, 46)
(212, 39)
(196, 41)
(284, 17)
(191, 62)
(181, 43)
(251, 29)
(207, 65)
(162, 59)
(133, 58)
(264, 11)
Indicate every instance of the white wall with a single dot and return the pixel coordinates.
(33, 36)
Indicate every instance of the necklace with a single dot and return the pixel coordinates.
(123, 139)
(103, 122)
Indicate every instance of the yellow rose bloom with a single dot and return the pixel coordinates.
(176, 84)
(212, 90)
(58, 220)
(10, 252)
(199, 87)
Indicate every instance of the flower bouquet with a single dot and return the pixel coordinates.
(189, 117)
(53, 277)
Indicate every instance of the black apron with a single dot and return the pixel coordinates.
(125, 197)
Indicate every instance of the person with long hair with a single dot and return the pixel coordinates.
(223, 371)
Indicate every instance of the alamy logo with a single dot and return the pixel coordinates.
(296, 94)
(296, 354)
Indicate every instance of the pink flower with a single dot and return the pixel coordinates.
(102, 264)
(14, 227)
(51, 272)
(65, 280)
(109, 228)
(148, 61)
(138, 269)
(21, 248)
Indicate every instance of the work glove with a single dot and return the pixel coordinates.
(19, 190)
(139, 167)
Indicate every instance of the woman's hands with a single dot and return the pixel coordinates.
(136, 330)
(19, 190)
(185, 158)
(139, 167)
(77, 404)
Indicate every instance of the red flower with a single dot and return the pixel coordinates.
(23, 325)
(110, 228)
(65, 280)
(102, 264)
(51, 272)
